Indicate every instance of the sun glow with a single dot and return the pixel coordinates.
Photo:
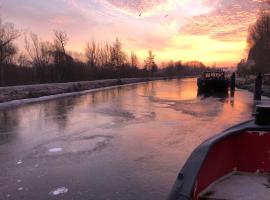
(201, 48)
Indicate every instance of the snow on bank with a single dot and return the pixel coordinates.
(249, 84)
(17, 95)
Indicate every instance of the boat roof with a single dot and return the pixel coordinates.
(183, 187)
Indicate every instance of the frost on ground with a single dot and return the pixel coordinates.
(12, 93)
(55, 150)
(58, 191)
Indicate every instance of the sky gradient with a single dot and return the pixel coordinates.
(212, 31)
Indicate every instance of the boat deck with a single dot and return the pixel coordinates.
(239, 186)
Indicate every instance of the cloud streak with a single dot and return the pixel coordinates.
(229, 22)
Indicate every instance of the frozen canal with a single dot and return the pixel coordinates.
(126, 143)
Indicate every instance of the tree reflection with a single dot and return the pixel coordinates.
(9, 122)
(58, 110)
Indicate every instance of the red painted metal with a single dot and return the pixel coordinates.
(244, 152)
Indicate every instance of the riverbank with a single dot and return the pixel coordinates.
(249, 84)
(34, 91)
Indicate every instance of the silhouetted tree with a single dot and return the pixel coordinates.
(118, 57)
(62, 61)
(91, 54)
(150, 64)
(244, 68)
(8, 33)
(40, 57)
(134, 62)
(259, 44)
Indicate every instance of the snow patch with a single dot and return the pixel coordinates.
(58, 191)
(20, 188)
(55, 150)
(19, 162)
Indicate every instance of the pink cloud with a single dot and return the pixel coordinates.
(229, 22)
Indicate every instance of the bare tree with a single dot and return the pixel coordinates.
(59, 52)
(39, 56)
(61, 40)
(91, 53)
(105, 55)
(8, 33)
(150, 64)
(134, 62)
(38, 51)
(118, 56)
(62, 61)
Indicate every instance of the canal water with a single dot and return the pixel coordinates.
(125, 143)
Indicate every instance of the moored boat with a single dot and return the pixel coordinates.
(232, 165)
(213, 82)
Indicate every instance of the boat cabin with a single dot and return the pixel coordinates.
(213, 82)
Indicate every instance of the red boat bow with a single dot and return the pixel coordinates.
(243, 148)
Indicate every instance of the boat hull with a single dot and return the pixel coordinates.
(212, 86)
(244, 148)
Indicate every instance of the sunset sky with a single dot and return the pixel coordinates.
(213, 31)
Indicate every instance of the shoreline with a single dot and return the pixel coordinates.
(17, 95)
(249, 84)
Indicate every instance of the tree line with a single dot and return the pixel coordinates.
(49, 61)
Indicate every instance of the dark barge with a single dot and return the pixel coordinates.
(213, 82)
(232, 165)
